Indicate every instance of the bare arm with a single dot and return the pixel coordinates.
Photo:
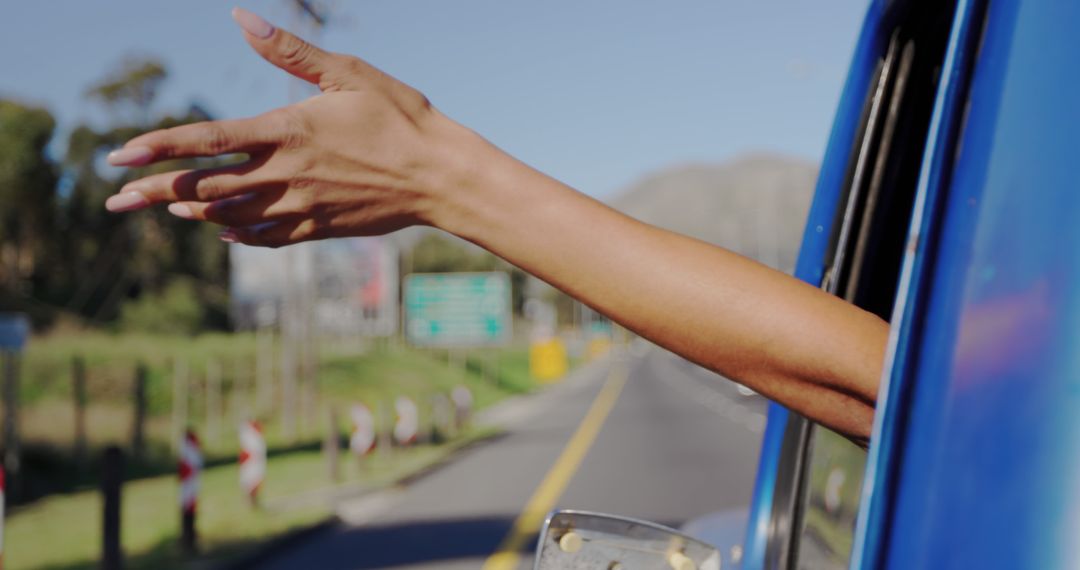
(371, 155)
(792, 342)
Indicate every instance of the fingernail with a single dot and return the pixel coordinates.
(134, 156)
(126, 201)
(228, 236)
(252, 23)
(181, 211)
(139, 186)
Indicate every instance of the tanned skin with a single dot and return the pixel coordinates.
(371, 155)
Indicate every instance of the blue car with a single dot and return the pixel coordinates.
(949, 204)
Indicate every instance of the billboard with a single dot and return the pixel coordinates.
(348, 286)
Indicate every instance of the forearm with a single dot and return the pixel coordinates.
(370, 156)
(788, 340)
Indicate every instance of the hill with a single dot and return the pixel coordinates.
(755, 205)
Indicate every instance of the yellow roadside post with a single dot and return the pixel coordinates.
(547, 360)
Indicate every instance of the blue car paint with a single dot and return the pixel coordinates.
(912, 290)
(974, 460)
(810, 267)
(988, 465)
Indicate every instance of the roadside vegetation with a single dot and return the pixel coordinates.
(299, 490)
(64, 531)
(132, 334)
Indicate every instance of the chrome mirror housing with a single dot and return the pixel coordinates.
(581, 539)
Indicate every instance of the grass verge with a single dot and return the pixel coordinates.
(345, 375)
(64, 531)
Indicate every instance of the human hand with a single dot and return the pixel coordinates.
(369, 155)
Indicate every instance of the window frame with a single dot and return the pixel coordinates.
(857, 223)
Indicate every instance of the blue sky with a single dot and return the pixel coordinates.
(594, 92)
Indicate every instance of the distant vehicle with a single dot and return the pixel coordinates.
(948, 203)
(744, 390)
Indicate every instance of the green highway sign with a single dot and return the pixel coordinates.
(457, 309)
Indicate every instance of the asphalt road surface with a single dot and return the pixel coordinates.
(678, 443)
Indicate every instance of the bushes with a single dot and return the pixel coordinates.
(175, 311)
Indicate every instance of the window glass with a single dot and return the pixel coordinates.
(831, 502)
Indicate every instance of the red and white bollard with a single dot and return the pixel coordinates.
(252, 459)
(408, 421)
(362, 438)
(191, 463)
(463, 403)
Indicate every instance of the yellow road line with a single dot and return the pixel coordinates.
(507, 556)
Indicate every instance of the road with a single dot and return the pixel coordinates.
(678, 443)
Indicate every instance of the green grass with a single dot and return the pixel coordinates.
(57, 522)
(64, 531)
(111, 360)
(374, 376)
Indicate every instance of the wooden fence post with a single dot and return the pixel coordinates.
(11, 441)
(112, 478)
(179, 403)
(331, 445)
(213, 404)
(288, 378)
(138, 424)
(78, 391)
(241, 394)
(264, 370)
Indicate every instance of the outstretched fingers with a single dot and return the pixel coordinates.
(204, 185)
(271, 203)
(210, 138)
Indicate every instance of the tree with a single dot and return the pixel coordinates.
(118, 259)
(62, 253)
(131, 88)
(128, 257)
(27, 193)
(440, 253)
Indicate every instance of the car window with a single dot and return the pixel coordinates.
(831, 501)
(868, 252)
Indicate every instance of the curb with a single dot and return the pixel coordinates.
(500, 429)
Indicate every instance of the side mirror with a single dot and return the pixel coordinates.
(580, 539)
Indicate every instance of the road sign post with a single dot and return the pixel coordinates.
(14, 331)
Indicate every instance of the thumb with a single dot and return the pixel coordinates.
(291, 53)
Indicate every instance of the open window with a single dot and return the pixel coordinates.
(819, 479)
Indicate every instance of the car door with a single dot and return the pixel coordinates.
(807, 497)
(976, 461)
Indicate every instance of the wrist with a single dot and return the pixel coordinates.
(477, 188)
